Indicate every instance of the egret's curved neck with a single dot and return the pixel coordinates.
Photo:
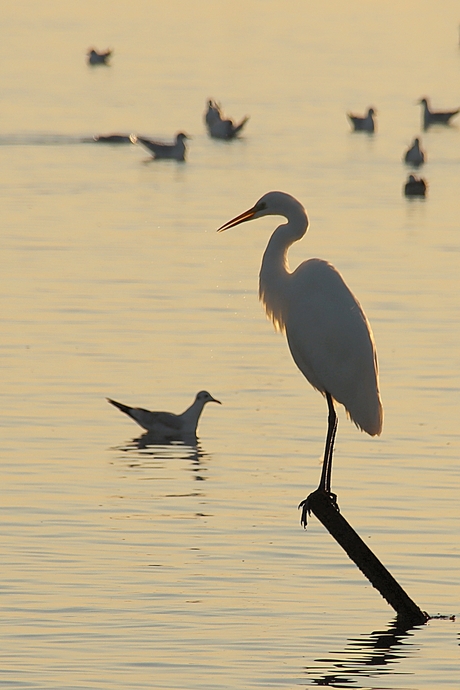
(274, 272)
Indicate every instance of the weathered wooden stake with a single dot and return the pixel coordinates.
(322, 505)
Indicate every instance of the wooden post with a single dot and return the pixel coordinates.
(323, 506)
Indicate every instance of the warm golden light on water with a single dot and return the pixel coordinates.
(132, 567)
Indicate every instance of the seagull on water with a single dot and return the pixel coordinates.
(435, 117)
(112, 138)
(95, 58)
(219, 126)
(363, 124)
(174, 151)
(415, 155)
(415, 186)
(168, 425)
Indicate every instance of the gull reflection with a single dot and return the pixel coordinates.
(147, 451)
(368, 656)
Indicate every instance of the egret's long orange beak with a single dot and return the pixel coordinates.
(242, 218)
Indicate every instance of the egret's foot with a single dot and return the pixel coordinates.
(306, 507)
(306, 511)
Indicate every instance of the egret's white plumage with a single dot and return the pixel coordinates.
(329, 336)
(167, 425)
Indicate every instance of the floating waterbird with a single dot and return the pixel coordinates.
(167, 425)
(174, 151)
(363, 124)
(328, 334)
(415, 186)
(95, 58)
(438, 117)
(415, 155)
(220, 127)
(112, 138)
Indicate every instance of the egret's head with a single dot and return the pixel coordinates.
(270, 204)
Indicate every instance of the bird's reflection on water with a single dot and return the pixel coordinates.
(147, 451)
(368, 656)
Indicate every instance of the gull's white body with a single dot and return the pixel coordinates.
(415, 186)
(175, 151)
(415, 154)
(95, 58)
(363, 124)
(219, 126)
(433, 117)
(168, 425)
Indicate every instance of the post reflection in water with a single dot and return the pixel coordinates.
(368, 656)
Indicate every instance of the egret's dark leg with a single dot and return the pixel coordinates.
(326, 472)
(325, 481)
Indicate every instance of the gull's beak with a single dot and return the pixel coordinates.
(242, 218)
(214, 400)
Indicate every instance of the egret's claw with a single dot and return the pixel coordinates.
(306, 509)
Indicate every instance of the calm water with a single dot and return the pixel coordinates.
(129, 567)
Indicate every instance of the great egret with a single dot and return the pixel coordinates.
(431, 117)
(174, 151)
(363, 124)
(415, 186)
(220, 127)
(328, 334)
(166, 424)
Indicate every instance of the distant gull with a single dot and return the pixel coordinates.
(220, 127)
(415, 155)
(415, 186)
(95, 58)
(112, 138)
(437, 117)
(363, 124)
(167, 425)
(174, 151)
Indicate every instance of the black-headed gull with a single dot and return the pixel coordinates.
(168, 425)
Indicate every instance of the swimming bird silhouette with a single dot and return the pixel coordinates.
(168, 425)
(175, 151)
(328, 334)
(220, 127)
(433, 117)
(95, 58)
(112, 138)
(415, 155)
(415, 186)
(363, 124)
